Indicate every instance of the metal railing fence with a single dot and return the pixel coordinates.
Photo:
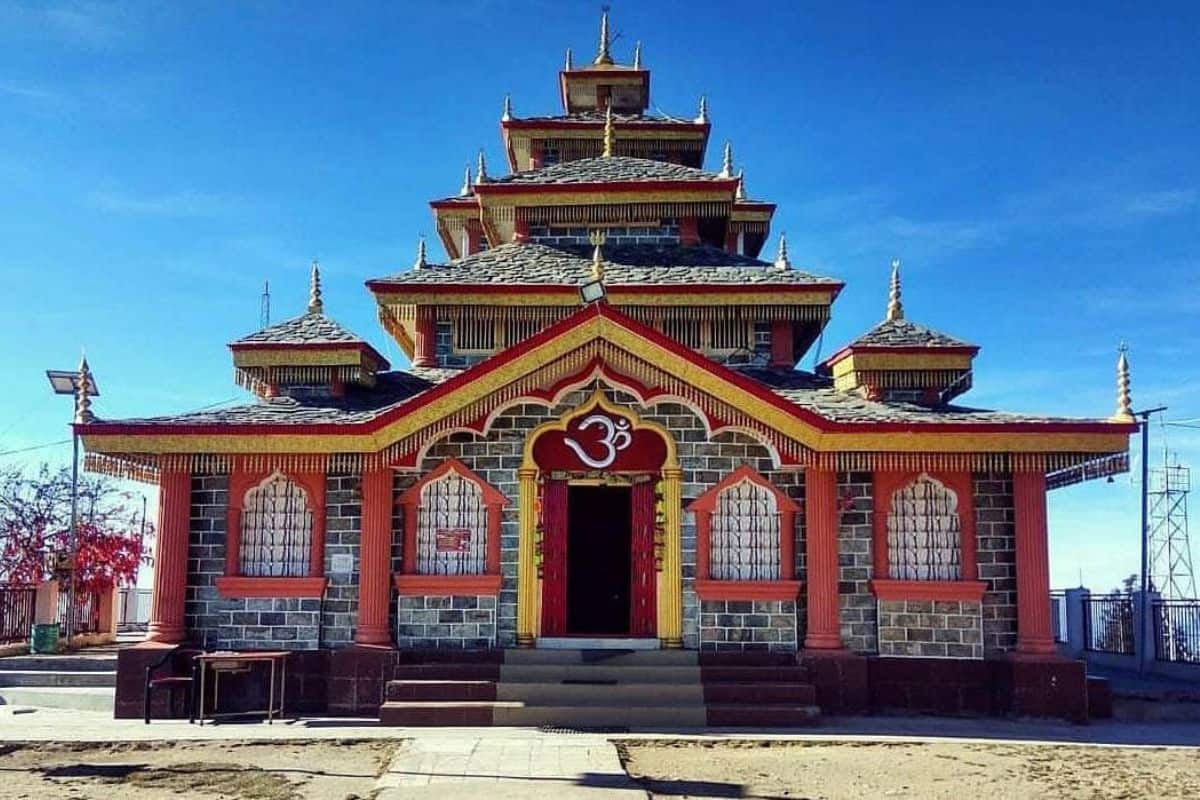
(1177, 630)
(1108, 624)
(16, 612)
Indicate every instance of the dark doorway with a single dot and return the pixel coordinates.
(598, 563)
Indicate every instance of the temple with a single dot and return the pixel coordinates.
(603, 444)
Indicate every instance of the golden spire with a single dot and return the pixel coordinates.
(83, 400)
(637, 55)
(597, 239)
(507, 115)
(468, 187)
(609, 134)
(895, 309)
(315, 304)
(727, 161)
(602, 54)
(740, 192)
(481, 175)
(781, 259)
(702, 116)
(1124, 401)
(568, 66)
(420, 262)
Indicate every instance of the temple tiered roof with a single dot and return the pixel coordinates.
(610, 169)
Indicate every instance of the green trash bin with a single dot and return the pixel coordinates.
(45, 638)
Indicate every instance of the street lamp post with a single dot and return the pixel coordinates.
(82, 384)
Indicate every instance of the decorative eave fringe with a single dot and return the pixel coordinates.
(615, 213)
(749, 226)
(651, 315)
(577, 148)
(910, 379)
(259, 379)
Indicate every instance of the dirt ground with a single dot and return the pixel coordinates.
(290, 770)
(842, 771)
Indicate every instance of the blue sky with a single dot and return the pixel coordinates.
(1035, 168)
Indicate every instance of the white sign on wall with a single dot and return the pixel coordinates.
(341, 564)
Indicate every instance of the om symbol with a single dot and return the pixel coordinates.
(615, 439)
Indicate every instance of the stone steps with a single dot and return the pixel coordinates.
(86, 678)
(76, 698)
(69, 663)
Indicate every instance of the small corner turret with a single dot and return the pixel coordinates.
(901, 361)
(309, 354)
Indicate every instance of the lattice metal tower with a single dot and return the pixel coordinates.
(1171, 571)
(264, 309)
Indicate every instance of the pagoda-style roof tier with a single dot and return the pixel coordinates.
(689, 267)
(602, 171)
(570, 137)
(902, 333)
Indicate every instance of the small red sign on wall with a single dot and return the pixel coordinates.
(452, 540)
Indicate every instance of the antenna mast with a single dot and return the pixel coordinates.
(264, 312)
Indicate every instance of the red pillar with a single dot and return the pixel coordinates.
(375, 556)
(1034, 633)
(426, 353)
(821, 549)
(782, 354)
(171, 557)
(689, 231)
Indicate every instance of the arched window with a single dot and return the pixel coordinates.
(924, 532)
(276, 530)
(745, 539)
(451, 533)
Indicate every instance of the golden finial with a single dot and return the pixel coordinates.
(602, 54)
(702, 116)
(637, 55)
(727, 161)
(420, 262)
(315, 304)
(481, 175)
(568, 66)
(468, 187)
(597, 239)
(609, 134)
(507, 115)
(781, 259)
(1124, 401)
(740, 192)
(895, 309)
(83, 400)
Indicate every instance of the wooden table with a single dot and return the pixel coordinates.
(232, 661)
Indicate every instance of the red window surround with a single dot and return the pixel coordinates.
(233, 583)
(886, 484)
(708, 588)
(410, 582)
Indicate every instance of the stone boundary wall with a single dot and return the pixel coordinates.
(931, 629)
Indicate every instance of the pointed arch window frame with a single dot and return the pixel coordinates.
(968, 587)
(786, 586)
(233, 584)
(411, 582)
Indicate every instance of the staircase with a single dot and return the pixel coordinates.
(82, 681)
(601, 689)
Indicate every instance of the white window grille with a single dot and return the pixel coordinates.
(277, 529)
(472, 334)
(745, 534)
(924, 533)
(452, 527)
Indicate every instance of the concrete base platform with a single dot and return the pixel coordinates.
(75, 698)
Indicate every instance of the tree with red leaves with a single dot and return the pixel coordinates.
(35, 523)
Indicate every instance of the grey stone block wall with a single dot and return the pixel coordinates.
(996, 554)
(446, 622)
(743, 625)
(930, 629)
(343, 527)
(857, 610)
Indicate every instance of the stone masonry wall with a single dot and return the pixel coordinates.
(930, 629)
(996, 554)
(458, 621)
(748, 625)
(855, 566)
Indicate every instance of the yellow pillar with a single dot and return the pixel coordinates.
(670, 595)
(526, 562)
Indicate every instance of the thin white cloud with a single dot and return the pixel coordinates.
(176, 204)
(86, 24)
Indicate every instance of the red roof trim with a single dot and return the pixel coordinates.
(385, 284)
(562, 124)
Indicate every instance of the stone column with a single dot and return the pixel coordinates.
(171, 558)
(821, 549)
(375, 557)
(1035, 636)
(426, 344)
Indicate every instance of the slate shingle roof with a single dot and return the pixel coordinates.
(310, 328)
(611, 169)
(528, 263)
(817, 394)
(903, 333)
(593, 117)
